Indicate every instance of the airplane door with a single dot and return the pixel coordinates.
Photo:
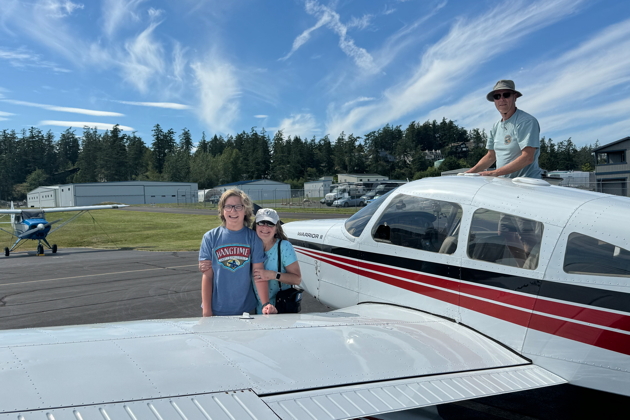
(409, 258)
(503, 263)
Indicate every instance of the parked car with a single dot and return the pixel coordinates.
(348, 201)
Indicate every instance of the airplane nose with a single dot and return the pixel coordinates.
(40, 226)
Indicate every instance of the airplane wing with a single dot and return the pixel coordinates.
(60, 209)
(358, 361)
(84, 208)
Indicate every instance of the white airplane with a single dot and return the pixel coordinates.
(31, 224)
(450, 289)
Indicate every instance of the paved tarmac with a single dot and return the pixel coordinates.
(83, 286)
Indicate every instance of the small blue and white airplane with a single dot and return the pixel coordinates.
(32, 224)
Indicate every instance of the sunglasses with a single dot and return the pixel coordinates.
(497, 96)
(265, 223)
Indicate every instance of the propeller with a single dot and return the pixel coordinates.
(37, 228)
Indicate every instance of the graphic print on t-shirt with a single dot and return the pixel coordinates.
(233, 257)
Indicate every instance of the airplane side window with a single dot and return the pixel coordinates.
(420, 223)
(588, 255)
(505, 239)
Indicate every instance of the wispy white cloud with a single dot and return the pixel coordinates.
(587, 86)
(145, 59)
(4, 115)
(116, 13)
(450, 62)
(23, 58)
(306, 35)
(330, 18)
(303, 125)
(356, 101)
(81, 124)
(360, 23)
(59, 8)
(410, 34)
(65, 109)
(219, 93)
(260, 116)
(179, 62)
(168, 105)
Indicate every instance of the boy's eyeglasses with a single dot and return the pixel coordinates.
(230, 207)
(265, 223)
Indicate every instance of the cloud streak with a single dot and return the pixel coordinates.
(587, 85)
(167, 105)
(92, 112)
(219, 93)
(23, 58)
(303, 125)
(449, 62)
(117, 13)
(331, 19)
(81, 124)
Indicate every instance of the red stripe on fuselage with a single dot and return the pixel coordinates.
(491, 301)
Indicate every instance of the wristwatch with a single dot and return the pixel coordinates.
(278, 275)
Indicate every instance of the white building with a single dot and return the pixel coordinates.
(127, 192)
(360, 178)
(317, 189)
(260, 189)
(44, 197)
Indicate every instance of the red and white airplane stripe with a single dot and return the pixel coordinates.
(604, 328)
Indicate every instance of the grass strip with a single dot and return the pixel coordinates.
(114, 229)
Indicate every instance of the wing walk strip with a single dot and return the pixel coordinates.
(597, 327)
(329, 403)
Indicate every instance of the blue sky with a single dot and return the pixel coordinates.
(313, 67)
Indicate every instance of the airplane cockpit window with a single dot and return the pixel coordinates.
(356, 224)
(588, 255)
(505, 239)
(33, 214)
(420, 223)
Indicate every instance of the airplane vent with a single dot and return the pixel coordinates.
(530, 181)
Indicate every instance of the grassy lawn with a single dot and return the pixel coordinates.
(127, 230)
(296, 208)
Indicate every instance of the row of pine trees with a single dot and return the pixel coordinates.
(32, 158)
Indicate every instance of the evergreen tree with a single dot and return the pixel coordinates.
(202, 146)
(162, 146)
(9, 164)
(185, 142)
(113, 156)
(137, 153)
(68, 149)
(217, 145)
(88, 158)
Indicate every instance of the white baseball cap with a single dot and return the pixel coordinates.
(269, 215)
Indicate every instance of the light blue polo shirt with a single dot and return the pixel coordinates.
(509, 138)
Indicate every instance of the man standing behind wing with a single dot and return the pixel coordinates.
(514, 141)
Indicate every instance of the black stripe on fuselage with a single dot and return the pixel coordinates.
(601, 298)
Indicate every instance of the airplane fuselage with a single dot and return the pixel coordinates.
(39, 228)
(449, 247)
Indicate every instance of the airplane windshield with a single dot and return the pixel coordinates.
(33, 214)
(356, 224)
